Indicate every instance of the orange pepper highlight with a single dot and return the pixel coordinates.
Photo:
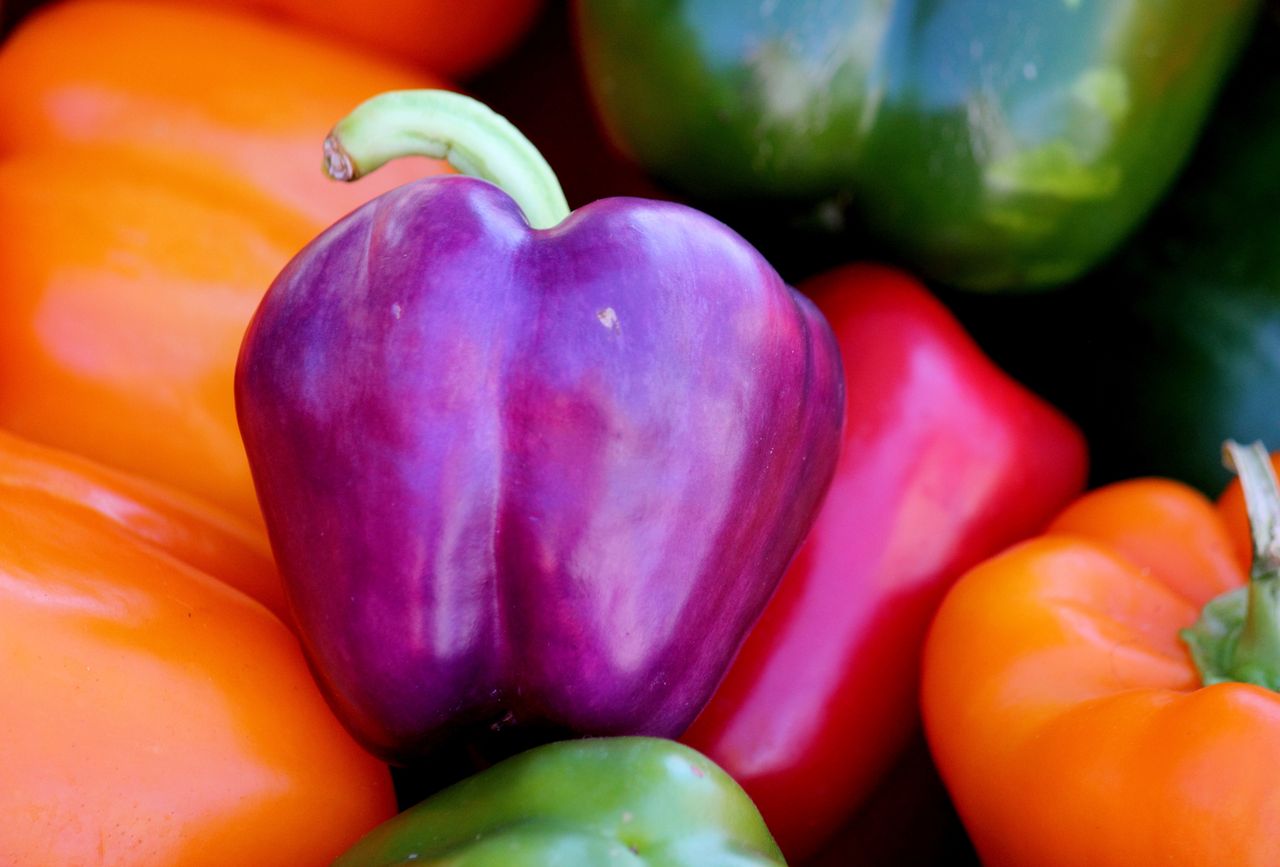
(1066, 715)
(158, 166)
(151, 713)
(443, 36)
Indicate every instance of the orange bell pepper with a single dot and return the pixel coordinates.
(158, 166)
(189, 528)
(450, 38)
(1067, 715)
(149, 712)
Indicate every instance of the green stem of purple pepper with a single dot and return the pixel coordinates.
(441, 124)
(458, 496)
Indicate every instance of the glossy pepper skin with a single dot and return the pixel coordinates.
(438, 35)
(152, 183)
(1191, 353)
(641, 801)
(151, 710)
(531, 481)
(1064, 712)
(944, 461)
(184, 526)
(992, 146)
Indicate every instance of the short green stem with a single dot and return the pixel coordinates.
(441, 124)
(1237, 637)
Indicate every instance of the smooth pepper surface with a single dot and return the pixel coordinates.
(992, 145)
(1174, 345)
(945, 460)
(152, 182)
(1066, 714)
(151, 710)
(531, 480)
(645, 802)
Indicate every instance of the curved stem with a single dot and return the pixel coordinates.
(1237, 637)
(441, 124)
(1259, 644)
(1262, 501)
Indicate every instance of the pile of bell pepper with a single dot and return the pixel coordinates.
(709, 435)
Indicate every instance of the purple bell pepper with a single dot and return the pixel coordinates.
(536, 480)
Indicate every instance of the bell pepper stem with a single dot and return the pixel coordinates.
(470, 136)
(1237, 637)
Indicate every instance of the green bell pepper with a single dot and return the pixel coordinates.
(605, 801)
(991, 145)
(1173, 346)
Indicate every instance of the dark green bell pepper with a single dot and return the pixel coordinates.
(993, 145)
(584, 803)
(1174, 346)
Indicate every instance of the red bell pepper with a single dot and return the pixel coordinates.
(945, 461)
